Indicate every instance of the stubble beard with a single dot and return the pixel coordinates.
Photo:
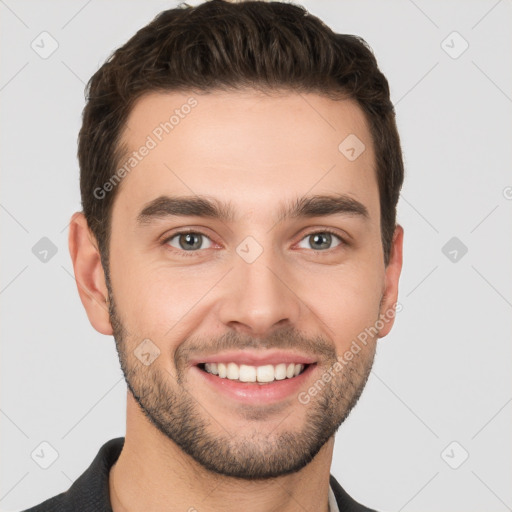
(178, 415)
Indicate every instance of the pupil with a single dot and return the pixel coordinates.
(189, 240)
(319, 236)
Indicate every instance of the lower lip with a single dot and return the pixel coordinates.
(254, 392)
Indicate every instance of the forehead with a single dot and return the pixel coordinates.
(246, 147)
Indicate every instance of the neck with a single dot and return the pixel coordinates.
(154, 474)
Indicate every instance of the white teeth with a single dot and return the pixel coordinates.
(280, 372)
(211, 368)
(265, 373)
(221, 367)
(233, 371)
(247, 373)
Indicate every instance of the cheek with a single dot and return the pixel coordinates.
(159, 302)
(348, 303)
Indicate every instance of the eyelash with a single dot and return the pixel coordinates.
(187, 254)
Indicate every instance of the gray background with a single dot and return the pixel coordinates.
(442, 375)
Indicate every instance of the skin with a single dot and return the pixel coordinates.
(241, 147)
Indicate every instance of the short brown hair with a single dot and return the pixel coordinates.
(220, 45)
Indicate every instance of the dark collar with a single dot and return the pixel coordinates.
(90, 492)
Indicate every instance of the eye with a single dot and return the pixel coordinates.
(189, 241)
(321, 240)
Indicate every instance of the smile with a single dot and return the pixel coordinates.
(247, 373)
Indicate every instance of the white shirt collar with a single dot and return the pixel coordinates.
(333, 506)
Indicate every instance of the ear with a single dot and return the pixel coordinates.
(390, 294)
(89, 275)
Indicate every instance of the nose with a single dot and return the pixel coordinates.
(260, 297)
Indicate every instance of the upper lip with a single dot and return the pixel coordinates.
(254, 358)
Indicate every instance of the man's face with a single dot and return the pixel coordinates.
(256, 289)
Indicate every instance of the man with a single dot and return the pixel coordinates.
(240, 170)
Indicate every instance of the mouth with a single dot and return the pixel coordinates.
(262, 374)
(260, 383)
(254, 376)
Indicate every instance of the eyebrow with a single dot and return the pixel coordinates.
(204, 206)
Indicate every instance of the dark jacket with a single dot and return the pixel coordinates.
(90, 492)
